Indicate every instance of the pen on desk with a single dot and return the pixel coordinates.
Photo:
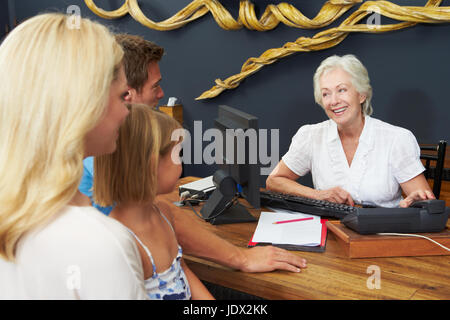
(293, 220)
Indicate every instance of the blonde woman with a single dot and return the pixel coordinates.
(61, 100)
(146, 164)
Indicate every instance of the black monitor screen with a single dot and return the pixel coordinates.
(237, 160)
(240, 152)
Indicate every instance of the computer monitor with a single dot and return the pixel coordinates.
(239, 168)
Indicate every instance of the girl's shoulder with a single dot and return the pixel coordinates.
(167, 209)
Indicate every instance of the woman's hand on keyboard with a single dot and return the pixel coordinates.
(336, 194)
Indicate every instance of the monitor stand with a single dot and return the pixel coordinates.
(235, 214)
(219, 209)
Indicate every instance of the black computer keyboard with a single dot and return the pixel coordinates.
(305, 205)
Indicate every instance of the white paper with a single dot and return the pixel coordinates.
(303, 233)
(205, 184)
(171, 102)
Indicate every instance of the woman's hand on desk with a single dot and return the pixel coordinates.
(336, 194)
(269, 258)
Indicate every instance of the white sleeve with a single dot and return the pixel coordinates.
(88, 258)
(106, 271)
(298, 157)
(405, 157)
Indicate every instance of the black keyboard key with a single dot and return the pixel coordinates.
(305, 205)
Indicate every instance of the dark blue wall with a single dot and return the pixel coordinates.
(409, 69)
(4, 19)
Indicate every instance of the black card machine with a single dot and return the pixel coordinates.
(421, 216)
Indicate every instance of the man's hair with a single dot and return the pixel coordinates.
(139, 53)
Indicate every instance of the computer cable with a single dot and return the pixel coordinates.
(228, 205)
(187, 196)
(414, 235)
(240, 195)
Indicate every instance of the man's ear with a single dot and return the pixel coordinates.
(131, 96)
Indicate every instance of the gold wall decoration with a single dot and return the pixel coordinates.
(272, 16)
(410, 16)
(407, 16)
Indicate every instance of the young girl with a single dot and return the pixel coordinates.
(145, 164)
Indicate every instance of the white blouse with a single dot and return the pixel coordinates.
(386, 156)
(79, 254)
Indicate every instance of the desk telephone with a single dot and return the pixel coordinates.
(421, 216)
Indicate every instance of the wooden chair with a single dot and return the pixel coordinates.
(434, 153)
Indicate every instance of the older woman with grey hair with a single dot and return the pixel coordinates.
(353, 158)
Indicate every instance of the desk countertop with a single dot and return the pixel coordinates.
(329, 275)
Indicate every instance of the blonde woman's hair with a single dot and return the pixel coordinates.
(360, 78)
(130, 173)
(56, 81)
